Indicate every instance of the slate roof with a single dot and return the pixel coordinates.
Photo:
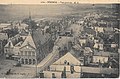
(39, 38)
(35, 38)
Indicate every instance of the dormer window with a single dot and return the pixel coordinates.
(68, 63)
(65, 62)
(27, 45)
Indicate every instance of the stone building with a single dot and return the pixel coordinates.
(35, 47)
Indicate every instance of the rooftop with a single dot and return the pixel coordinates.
(39, 37)
(3, 36)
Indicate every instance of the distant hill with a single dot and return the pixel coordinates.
(18, 12)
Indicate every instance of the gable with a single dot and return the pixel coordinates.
(27, 47)
(29, 40)
(9, 44)
(69, 58)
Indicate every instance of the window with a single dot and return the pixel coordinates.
(68, 63)
(6, 50)
(34, 61)
(22, 60)
(65, 62)
(29, 53)
(33, 53)
(18, 53)
(21, 52)
(30, 61)
(26, 61)
(25, 52)
(53, 75)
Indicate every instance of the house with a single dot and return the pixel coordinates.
(4, 26)
(59, 41)
(99, 29)
(16, 51)
(8, 49)
(35, 47)
(109, 30)
(11, 49)
(79, 54)
(28, 53)
(28, 48)
(114, 45)
(67, 66)
(80, 22)
(3, 41)
(21, 26)
(98, 46)
(88, 53)
(3, 36)
(82, 41)
(101, 57)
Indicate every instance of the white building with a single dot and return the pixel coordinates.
(5, 26)
(101, 57)
(65, 62)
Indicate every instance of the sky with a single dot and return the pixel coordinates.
(39, 1)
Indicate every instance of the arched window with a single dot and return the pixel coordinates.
(68, 63)
(30, 61)
(22, 61)
(33, 61)
(26, 61)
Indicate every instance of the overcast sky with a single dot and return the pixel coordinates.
(38, 1)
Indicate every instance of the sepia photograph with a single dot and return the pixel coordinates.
(57, 39)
